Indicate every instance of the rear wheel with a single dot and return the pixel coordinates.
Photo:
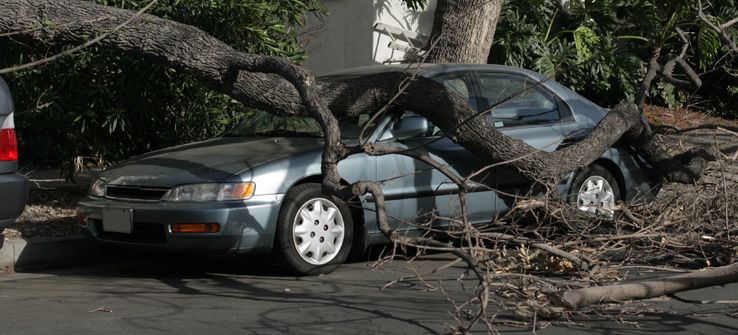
(314, 232)
(595, 190)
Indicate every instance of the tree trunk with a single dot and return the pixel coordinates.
(463, 31)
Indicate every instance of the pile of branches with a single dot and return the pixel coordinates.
(546, 259)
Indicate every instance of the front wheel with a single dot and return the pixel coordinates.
(595, 190)
(314, 232)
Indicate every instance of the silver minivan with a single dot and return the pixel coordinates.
(13, 186)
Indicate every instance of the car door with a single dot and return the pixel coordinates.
(527, 111)
(416, 193)
(408, 184)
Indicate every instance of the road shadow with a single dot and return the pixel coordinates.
(256, 291)
(75, 254)
(254, 287)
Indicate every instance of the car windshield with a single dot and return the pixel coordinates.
(264, 124)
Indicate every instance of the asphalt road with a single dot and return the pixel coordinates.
(139, 295)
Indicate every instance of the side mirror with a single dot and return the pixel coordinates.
(411, 126)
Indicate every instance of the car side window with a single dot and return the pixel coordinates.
(534, 106)
(461, 84)
(351, 126)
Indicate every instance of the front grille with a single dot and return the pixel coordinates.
(142, 232)
(135, 193)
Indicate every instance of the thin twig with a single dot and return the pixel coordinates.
(419, 276)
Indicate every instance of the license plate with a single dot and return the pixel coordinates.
(118, 220)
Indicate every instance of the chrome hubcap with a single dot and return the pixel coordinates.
(596, 196)
(318, 231)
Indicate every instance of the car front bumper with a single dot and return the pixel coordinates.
(244, 226)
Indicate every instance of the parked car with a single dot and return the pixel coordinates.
(257, 188)
(13, 186)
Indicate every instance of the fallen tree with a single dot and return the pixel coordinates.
(245, 78)
(251, 80)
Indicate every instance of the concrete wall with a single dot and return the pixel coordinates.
(347, 37)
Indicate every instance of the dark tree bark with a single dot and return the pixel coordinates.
(245, 78)
(463, 30)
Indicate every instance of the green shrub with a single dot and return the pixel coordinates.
(612, 41)
(579, 51)
(109, 106)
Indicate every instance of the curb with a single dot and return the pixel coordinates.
(23, 254)
(46, 251)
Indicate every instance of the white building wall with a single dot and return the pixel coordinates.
(347, 37)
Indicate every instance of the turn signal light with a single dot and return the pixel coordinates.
(82, 220)
(195, 227)
(242, 191)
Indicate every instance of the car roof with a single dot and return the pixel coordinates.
(6, 102)
(430, 69)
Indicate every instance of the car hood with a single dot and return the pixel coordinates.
(215, 160)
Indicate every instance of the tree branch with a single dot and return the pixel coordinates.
(720, 30)
(576, 299)
(79, 47)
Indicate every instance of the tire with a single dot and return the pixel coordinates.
(314, 232)
(595, 190)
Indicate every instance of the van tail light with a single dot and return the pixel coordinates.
(8, 141)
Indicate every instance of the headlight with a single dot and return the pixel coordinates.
(211, 192)
(97, 188)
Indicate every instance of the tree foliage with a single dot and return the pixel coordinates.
(620, 37)
(111, 106)
(415, 4)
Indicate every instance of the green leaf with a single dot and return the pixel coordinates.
(708, 45)
(415, 4)
(625, 37)
(584, 40)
